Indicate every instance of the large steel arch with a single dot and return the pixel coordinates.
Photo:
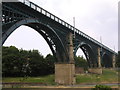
(46, 31)
(88, 51)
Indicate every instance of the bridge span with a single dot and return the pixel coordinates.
(57, 33)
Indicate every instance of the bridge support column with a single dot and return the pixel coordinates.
(70, 48)
(99, 58)
(113, 61)
(65, 72)
(99, 69)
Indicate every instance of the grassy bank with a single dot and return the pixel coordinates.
(108, 76)
(49, 79)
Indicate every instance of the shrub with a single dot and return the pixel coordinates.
(102, 87)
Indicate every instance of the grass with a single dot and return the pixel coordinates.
(49, 79)
(108, 76)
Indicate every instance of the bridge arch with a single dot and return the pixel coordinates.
(88, 51)
(47, 33)
(106, 60)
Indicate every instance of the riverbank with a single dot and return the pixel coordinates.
(109, 77)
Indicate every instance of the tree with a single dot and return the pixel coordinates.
(24, 57)
(37, 64)
(81, 62)
(40, 65)
(50, 63)
(25, 63)
(10, 61)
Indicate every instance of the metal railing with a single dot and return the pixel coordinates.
(55, 18)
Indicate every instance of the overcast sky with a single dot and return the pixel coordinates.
(97, 18)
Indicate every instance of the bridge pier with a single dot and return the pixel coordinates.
(113, 61)
(97, 70)
(70, 48)
(65, 72)
(99, 58)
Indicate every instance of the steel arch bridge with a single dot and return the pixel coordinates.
(55, 31)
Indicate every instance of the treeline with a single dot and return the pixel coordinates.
(19, 63)
(25, 63)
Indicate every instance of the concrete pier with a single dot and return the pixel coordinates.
(113, 61)
(65, 74)
(99, 58)
(95, 70)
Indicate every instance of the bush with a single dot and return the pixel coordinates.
(102, 87)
